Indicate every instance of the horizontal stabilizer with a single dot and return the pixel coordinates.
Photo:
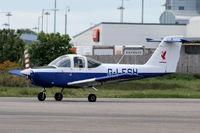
(152, 40)
(185, 41)
(16, 72)
(169, 41)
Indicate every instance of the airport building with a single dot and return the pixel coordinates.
(108, 41)
(114, 38)
(130, 38)
(111, 38)
(180, 11)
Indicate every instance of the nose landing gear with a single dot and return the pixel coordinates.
(42, 95)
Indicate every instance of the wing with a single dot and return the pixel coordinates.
(102, 80)
(16, 72)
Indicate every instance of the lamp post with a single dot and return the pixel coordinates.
(42, 16)
(42, 19)
(35, 29)
(6, 25)
(55, 4)
(142, 17)
(39, 18)
(67, 10)
(121, 8)
(8, 14)
(47, 14)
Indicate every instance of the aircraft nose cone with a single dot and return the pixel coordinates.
(26, 72)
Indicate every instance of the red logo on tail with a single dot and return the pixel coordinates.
(163, 55)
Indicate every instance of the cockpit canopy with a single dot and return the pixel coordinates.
(75, 61)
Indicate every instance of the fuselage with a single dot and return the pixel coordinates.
(61, 76)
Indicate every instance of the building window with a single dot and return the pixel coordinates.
(169, 7)
(181, 7)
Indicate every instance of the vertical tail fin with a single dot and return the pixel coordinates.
(167, 54)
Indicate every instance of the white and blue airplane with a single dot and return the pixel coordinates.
(77, 71)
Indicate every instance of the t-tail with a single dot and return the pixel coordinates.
(167, 54)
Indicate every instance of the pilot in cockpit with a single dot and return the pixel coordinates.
(78, 63)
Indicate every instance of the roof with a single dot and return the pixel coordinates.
(113, 23)
(28, 38)
(183, 14)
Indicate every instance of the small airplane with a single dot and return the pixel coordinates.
(77, 71)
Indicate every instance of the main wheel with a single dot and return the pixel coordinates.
(41, 96)
(58, 96)
(92, 98)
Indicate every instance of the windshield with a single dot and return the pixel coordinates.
(92, 63)
(62, 61)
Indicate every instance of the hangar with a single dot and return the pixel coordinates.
(109, 38)
(112, 40)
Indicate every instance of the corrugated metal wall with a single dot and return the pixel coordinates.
(187, 63)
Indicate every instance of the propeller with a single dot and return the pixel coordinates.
(27, 72)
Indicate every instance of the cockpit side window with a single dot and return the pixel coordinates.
(65, 62)
(62, 61)
(93, 63)
(79, 62)
(54, 62)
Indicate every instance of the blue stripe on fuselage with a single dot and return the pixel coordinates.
(60, 79)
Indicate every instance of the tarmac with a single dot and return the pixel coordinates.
(28, 115)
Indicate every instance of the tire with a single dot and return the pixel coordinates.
(58, 96)
(41, 96)
(92, 98)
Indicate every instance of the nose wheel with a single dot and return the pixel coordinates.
(41, 96)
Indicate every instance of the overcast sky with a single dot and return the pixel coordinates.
(82, 15)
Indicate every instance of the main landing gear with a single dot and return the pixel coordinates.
(58, 96)
(92, 97)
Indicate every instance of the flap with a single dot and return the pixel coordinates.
(101, 80)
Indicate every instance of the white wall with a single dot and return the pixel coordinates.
(86, 38)
(193, 28)
(84, 50)
(126, 34)
(136, 34)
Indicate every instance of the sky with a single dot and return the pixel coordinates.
(83, 13)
